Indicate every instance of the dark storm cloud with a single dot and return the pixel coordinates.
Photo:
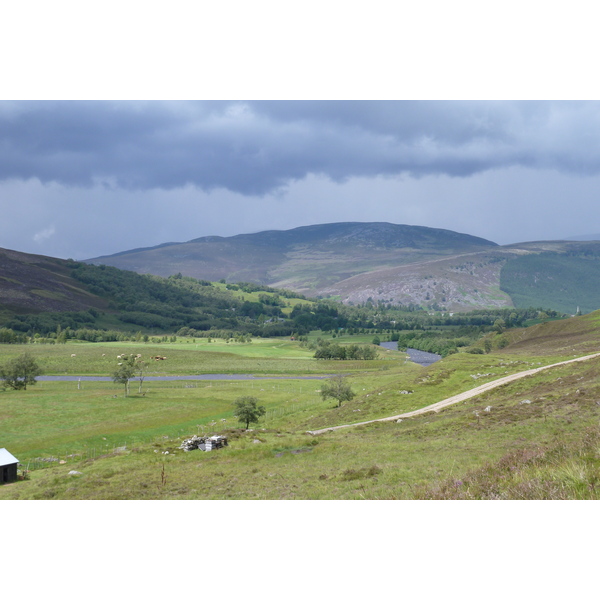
(257, 147)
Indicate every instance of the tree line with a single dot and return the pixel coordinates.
(328, 350)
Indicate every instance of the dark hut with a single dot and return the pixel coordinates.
(8, 466)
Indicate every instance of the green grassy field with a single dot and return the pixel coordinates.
(435, 455)
(539, 438)
(262, 356)
(255, 297)
(53, 418)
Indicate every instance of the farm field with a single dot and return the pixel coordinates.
(57, 418)
(60, 418)
(427, 456)
(261, 357)
(123, 446)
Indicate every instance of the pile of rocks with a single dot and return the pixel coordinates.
(193, 443)
(203, 443)
(482, 375)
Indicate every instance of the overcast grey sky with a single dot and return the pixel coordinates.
(84, 178)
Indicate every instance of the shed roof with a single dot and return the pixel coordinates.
(6, 458)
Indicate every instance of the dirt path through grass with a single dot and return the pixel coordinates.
(460, 397)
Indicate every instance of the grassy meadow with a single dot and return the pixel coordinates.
(260, 357)
(538, 439)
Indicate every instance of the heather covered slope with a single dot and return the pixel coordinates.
(565, 337)
(39, 294)
(458, 283)
(31, 283)
(436, 269)
(304, 259)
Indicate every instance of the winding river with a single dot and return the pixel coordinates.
(209, 377)
(417, 356)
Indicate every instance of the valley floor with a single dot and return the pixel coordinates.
(534, 437)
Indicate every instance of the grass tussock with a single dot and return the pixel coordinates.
(365, 472)
(559, 471)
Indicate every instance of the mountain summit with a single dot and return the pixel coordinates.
(305, 259)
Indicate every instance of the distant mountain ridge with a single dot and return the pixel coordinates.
(305, 259)
(376, 234)
(592, 237)
(434, 269)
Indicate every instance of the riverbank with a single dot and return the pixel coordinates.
(417, 356)
(207, 377)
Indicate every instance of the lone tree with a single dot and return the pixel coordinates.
(339, 389)
(125, 371)
(141, 368)
(20, 372)
(247, 410)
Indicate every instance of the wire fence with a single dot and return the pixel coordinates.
(86, 453)
(205, 427)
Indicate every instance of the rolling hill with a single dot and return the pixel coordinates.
(39, 294)
(305, 259)
(354, 263)
(32, 283)
(383, 262)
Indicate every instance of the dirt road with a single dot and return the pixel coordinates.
(460, 397)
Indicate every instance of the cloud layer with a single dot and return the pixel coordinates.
(254, 148)
(82, 179)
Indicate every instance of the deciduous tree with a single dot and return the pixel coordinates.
(125, 371)
(339, 389)
(247, 410)
(20, 372)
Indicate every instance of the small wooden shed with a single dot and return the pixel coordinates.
(8, 466)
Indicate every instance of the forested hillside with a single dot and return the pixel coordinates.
(563, 281)
(436, 269)
(130, 304)
(148, 303)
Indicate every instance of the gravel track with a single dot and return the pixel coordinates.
(459, 397)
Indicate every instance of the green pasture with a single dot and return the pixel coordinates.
(255, 297)
(127, 447)
(59, 418)
(263, 357)
(450, 452)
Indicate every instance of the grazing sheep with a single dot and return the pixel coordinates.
(73, 355)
